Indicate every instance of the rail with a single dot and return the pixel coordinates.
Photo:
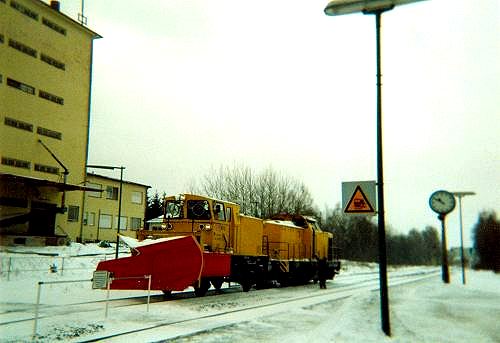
(109, 281)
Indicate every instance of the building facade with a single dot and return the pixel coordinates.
(45, 93)
(101, 208)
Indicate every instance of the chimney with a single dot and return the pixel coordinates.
(55, 5)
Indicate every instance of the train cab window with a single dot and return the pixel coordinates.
(228, 214)
(198, 209)
(173, 209)
(219, 211)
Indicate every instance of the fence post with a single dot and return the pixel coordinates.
(107, 297)
(36, 307)
(62, 267)
(9, 269)
(149, 291)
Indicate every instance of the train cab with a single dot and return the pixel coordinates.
(210, 221)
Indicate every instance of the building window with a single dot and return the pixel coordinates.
(73, 213)
(21, 86)
(105, 221)
(52, 61)
(16, 163)
(46, 169)
(51, 97)
(112, 193)
(89, 218)
(49, 133)
(18, 124)
(54, 26)
(135, 223)
(95, 186)
(22, 47)
(24, 10)
(137, 198)
(123, 223)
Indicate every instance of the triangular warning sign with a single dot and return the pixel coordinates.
(359, 203)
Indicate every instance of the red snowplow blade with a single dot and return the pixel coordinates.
(174, 264)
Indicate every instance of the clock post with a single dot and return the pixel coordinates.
(445, 273)
(443, 202)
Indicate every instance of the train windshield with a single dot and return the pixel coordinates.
(198, 209)
(173, 209)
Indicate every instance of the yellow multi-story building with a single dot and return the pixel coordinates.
(101, 209)
(45, 93)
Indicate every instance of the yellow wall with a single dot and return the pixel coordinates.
(70, 119)
(71, 84)
(96, 230)
(248, 236)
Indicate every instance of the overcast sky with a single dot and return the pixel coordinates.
(182, 86)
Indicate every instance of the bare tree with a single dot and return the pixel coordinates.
(261, 195)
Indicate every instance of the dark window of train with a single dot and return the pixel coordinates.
(198, 209)
(219, 212)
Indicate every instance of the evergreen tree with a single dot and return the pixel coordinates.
(154, 207)
(487, 241)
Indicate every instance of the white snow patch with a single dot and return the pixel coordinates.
(427, 311)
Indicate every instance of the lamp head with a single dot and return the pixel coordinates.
(341, 7)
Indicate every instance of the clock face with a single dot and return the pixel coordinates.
(442, 202)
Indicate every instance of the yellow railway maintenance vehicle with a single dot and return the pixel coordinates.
(284, 249)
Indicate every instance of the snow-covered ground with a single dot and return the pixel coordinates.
(426, 311)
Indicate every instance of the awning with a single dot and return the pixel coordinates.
(35, 182)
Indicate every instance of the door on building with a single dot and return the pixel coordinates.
(42, 219)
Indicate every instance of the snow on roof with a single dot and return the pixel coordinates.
(283, 222)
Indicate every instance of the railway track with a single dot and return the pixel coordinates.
(229, 304)
(193, 325)
(50, 311)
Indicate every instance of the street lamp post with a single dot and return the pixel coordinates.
(119, 201)
(460, 195)
(376, 7)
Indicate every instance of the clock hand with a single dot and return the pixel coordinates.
(439, 200)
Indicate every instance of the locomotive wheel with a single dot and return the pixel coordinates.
(202, 289)
(246, 285)
(217, 283)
